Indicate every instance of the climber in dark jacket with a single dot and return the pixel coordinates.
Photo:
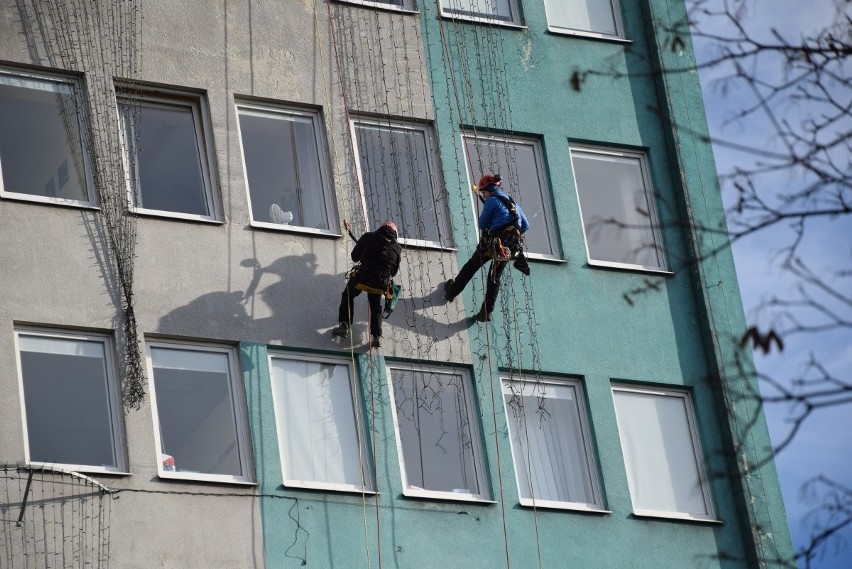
(378, 254)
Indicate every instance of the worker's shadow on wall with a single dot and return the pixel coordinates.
(301, 302)
(431, 315)
(292, 309)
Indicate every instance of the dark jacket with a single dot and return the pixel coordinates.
(379, 255)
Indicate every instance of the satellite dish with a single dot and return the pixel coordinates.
(277, 215)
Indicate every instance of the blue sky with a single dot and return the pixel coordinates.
(822, 446)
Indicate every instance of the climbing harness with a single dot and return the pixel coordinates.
(506, 243)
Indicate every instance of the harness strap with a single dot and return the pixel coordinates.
(510, 205)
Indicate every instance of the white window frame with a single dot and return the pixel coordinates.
(619, 26)
(698, 455)
(591, 466)
(544, 187)
(516, 21)
(649, 196)
(113, 397)
(268, 110)
(172, 98)
(445, 234)
(76, 92)
(366, 463)
(408, 6)
(238, 399)
(473, 418)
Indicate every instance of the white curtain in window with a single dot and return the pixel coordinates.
(316, 423)
(547, 442)
(659, 452)
(583, 15)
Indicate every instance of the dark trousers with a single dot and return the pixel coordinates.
(492, 286)
(347, 304)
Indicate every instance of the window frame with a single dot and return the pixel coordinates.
(116, 423)
(516, 22)
(473, 417)
(433, 156)
(698, 455)
(171, 98)
(409, 6)
(238, 399)
(358, 416)
(545, 189)
(591, 466)
(74, 84)
(650, 196)
(323, 157)
(619, 35)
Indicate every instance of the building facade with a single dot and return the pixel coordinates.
(175, 180)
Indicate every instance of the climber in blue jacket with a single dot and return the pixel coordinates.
(502, 224)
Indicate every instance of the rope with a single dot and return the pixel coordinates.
(498, 116)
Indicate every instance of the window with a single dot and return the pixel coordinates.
(401, 181)
(71, 403)
(665, 468)
(520, 162)
(199, 412)
(286, 168)
(42, 154)
(491, 10)
(438, 439)
(551, 444)
(591, 17)
(617, 207)
(406, 5)
(319, 435)
(167, 155)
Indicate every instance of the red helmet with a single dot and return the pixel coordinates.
(485, 181)
(390, 225)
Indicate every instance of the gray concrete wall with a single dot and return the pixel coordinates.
(223, 282)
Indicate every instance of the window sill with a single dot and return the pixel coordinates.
(11, 196)
(675, 516)
(379, 6)
(545, 258)
(206, 478)
(159, 214)
(485, 21)
(628, 267)
(447, 496)
(588, 35)
(296, 229)
(302, 485)
(565, 506)
(79, 468)
(426, 245)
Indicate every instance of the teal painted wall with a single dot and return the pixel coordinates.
(568, 318)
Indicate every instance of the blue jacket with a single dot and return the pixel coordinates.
(495, 214)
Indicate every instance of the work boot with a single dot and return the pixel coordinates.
(377, 342)
(341, 330)
(521, 264)
(483, 315)
(448, 288)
